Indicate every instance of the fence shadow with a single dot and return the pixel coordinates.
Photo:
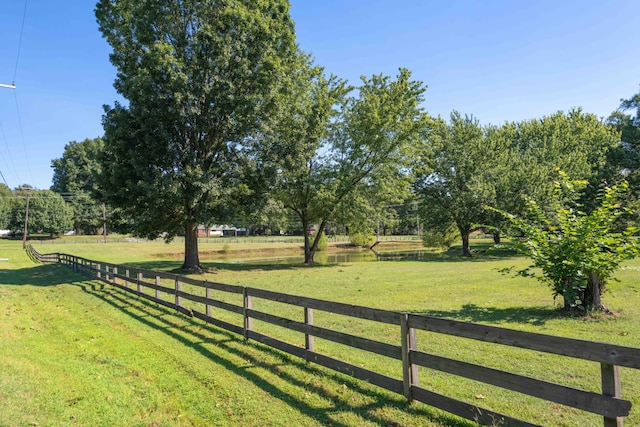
(473, 313)
(194, 335)
(40, 275)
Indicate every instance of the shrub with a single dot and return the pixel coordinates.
(362, 240)
(577, 252)
(441, 238)
(322, 244)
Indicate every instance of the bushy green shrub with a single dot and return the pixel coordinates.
(323, 245)
(363, 240)
(441, 238)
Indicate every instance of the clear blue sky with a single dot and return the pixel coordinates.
(498, 60)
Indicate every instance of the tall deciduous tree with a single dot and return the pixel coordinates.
(575, 142)
(461, 163)
(200, 79)
(333, 149)
(48, 212)
(74, 176)
(6, 200)
(626, 159)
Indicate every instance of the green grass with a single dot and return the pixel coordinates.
(75, 352)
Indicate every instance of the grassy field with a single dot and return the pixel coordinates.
(75, 352)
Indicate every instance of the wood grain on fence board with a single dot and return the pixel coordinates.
(585, 400)
(587, 350)
(466, 410)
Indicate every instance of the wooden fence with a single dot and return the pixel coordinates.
(608, 403)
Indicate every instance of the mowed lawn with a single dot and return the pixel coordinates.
(77, 352)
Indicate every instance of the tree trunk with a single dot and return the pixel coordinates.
(311, 248)
(466, 251)
(496, 237)
(595, 286)
(309, 251)
(191, 258)
(591, 297)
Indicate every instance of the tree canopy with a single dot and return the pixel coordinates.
(626, 159)
(48, 212)
(333, 148)
(74, 176)
(6, 200)
(200, 80)
(460, 165)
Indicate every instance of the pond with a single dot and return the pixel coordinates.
(343, 257)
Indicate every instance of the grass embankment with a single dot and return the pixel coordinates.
(77, 353)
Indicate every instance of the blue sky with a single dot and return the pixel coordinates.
(498, 60)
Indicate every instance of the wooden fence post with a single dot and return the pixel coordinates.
(98, 270)
(178, 290)
(309, 344)
(115, 278)
(247, 304)
(138, 281)
(158, 284)
(208, 296)
(409, 370)
(611, 386)
(126, 281)
(413, 345)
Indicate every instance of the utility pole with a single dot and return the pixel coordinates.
(104, 223)
(26, 221)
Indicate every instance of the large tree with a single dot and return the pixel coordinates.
(460, 165)
(576, 142)
(200, 79)
(74, 176)
(6, 200)
(48, 212)
(626, 158)
(334, 149)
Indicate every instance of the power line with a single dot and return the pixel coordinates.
(4, 137)
(24, 145)
(5, 181)
(24, 16)
(13, 86)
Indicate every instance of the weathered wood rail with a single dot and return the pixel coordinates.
(609, 403)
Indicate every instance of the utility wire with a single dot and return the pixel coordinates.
(24, 16)
(4, 137)
(5, 181)
(15, 96)
(24, 145)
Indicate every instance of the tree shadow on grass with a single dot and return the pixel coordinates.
(187, 331)
(472, 313)
(39, 275)
(481, 252)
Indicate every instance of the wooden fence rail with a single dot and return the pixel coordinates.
(607, 404)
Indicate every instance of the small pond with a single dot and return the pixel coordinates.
(342, 257)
